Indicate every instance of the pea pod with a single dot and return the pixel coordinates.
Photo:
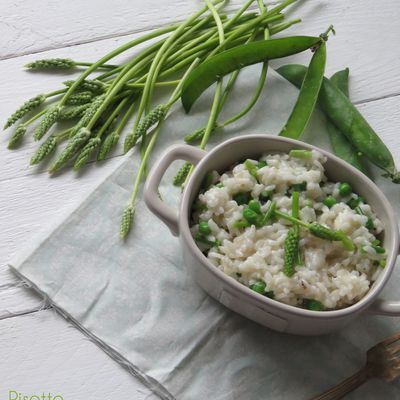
(238, 57)
(348, 120)
(308, 96)
(341, 80)
(340, 144)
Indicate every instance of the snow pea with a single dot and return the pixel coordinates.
(308, 95)
(340, 144)
(345, 116)
(205, 74)
(341, 80)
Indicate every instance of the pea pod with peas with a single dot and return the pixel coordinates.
(340, 144)
(208, 72)
(345, 116)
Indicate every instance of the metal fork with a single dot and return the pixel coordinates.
(383, 361)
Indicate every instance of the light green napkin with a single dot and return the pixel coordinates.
(138, 302)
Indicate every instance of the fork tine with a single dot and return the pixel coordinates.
(391, 339)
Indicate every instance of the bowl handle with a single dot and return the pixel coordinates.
(154, 203)
(385, 307)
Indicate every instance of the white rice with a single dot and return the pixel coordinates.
(331, 275)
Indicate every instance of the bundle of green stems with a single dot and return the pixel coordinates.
(106, 97)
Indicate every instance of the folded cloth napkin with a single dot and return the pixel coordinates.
(136, 300)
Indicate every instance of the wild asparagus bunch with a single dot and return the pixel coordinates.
(104, 98)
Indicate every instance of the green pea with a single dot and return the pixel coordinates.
(329, 201)
(376, 242)
(204, 229)
(355, 202)
(241, 198)
(378, 249)
(270, 294)
(255, 206)
(262, 164)
(219, 185)
(313, 305)
(250, 216)
(345, 189)
(382, 263)
(258, 287)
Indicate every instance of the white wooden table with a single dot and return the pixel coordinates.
(40, 352)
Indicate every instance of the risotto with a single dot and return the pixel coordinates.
(278, 226)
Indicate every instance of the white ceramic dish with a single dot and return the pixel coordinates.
(232, 294)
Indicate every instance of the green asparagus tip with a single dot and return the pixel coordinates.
(126, 221)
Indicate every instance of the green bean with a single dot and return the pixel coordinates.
(258, 287)
(348, 120)
(230, 60)
(296, 214)
(308, 95)
(268, 215)
(262, 164)
(252, 168)
(299, 153)
(354, 202)
(313, 305)
(340, 144)
(296, 204)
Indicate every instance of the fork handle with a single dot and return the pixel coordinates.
(348, 385)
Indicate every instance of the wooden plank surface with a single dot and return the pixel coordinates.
(40, 348)
(41, 352)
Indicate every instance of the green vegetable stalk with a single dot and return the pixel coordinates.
(102, 100)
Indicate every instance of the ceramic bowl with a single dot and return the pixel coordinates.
(237, 297)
